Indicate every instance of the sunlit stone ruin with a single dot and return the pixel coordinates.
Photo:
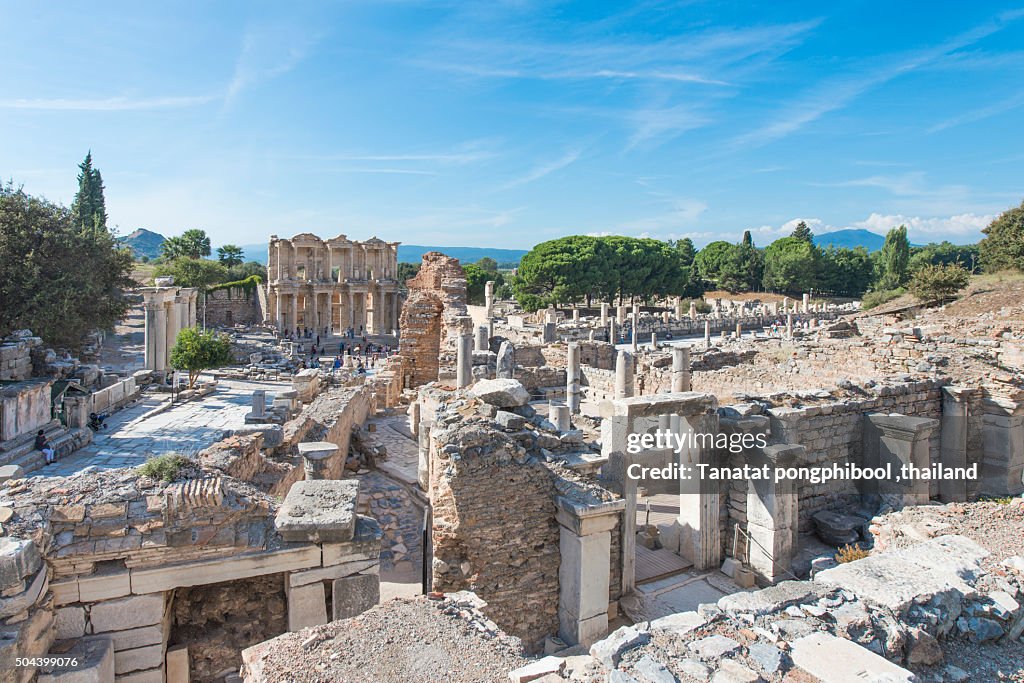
(471, 493)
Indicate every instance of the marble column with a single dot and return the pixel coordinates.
(481, 338)
(623, 375)
(789, 326)
(707, 333)
(558, 415)
(680, 368)
(572, 377)
(604, 313)
(953, 440)
(464, 361)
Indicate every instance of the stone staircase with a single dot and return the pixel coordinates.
(21, 450)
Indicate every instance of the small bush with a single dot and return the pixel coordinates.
(882, 296)
(164, 467)
(938, 284)
(850, 553)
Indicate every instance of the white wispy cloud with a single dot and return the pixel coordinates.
(544, 169)
(836, 93)
(267, 52)
(108, 103)
(659, 125)
(980, 114)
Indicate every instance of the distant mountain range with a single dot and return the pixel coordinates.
(147, 243)
(851, 238)
(143, 243)
(412, 253)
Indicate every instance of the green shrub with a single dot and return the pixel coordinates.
(938, 284)
(165, 467)
(882, 296)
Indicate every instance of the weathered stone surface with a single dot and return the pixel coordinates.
(95, 663)
(503, 393)
(18, 559)
(895, 579)
(509, 420)
(714, 647)
(22, 601)
(353, 595)
(322, 511)
(922, 648)
(119, 615)
(680, 622)
(733, 672)
(307, 606)
(649, 670)
(772, 599)
(837, 529)
(610, 650)
(69, 622)
(537, 670)
(837, 660)
(767, 657)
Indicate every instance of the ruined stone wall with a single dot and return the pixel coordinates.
(432, 318)
(494, 529)
(833, 433)
(334, 414)
(236, 306)
(16, 357)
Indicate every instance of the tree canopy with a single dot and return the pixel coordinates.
(894, 259)
(1003, 245)
(59, 277)
(230, 255)
(196, 350)
(791, 265)
(89, 208)
(193, 243)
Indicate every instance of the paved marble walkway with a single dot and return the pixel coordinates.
(130, 437)
(403, 456)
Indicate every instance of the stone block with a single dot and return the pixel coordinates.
(18, 558)
(145, 581)
(353, 595)
(10, 472)
(104, 586)
(147, 676)
(138, 637)
(95, 664)
(138, 659)
(22, 601)
(70, 622)
(307, 606)
(126, 613)
(537, 670)
(332, 572)
(610, 650)
(503, 393)
(838, 660)
(177, 664)
(65, 592)
(322, 511)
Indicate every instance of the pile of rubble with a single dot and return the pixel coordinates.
(889, 616)
(436, 639)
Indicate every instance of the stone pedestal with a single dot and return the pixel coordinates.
(895, 441)
(654, 341)
(583, 578)
(550, 329)
(558, 415)
(604, 314)
(481, 339)
(772, 510)
(316, 457)
(707, 333)
(259, 403)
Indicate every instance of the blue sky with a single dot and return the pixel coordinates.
(504, 124)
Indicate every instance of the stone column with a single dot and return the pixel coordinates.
(693, 311)
(481, 339)
(789, 326)
(549, 332)
(953, 441)
(151, 309)
(604, 313)
(665, 317)
(171, 327)
(294, 308)
(620, 315)
(707, 333)
(739, 330)
(1002, 465)
(699, 502)
(772, 509)
(352, 311)
(489, 296)
(160, 331)
(680, 368)
(278, 311)
(679, 308)
(505, 367)
(806, 302)
(414, 418)
(611, 332)
(316, 457)
(623, 375)
(572, 377)
(558, 415)
(464, 361)
(654, 341)
(583, 577)
(575, 315)
(634, 343)
(259, 403)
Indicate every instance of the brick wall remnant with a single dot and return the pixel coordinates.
(432, 318)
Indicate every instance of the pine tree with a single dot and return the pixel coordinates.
(89, 208)
(802, 232)
(748, 240)
(894, 259)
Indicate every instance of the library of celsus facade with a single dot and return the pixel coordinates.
(336, 283)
